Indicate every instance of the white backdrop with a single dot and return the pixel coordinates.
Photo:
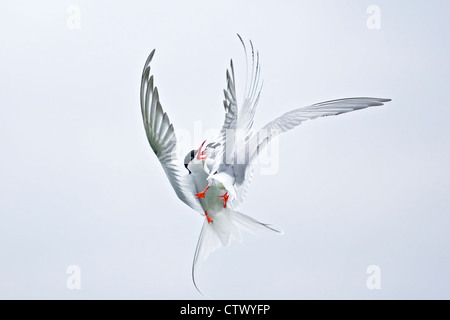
(80, 186)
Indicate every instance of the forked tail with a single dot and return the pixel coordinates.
(226, 226)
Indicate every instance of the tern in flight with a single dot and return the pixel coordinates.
(218, 172)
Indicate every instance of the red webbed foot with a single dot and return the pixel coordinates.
(202, 194)
(225, 199)
(208, 218)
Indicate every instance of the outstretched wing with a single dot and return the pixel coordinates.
(256, 142)
(238, 116)
(293, 118)
(162, 139)
(253, 86)
(241, 117)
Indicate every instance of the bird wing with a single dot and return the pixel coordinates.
(293, 118)
(242, 117)
(256, 142)
(162, 138)
(238, 117)
(230, 101)
(253, 86)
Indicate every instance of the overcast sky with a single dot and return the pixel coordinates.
(80, 186)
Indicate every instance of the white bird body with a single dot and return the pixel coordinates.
(220, 170)
(211, 203)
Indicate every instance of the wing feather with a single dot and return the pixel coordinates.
(238, 117)
(161, 136)
(293, 118)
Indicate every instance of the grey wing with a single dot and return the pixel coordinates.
(242, 117)
(288, 121)
(230, 101)
(238, 117)
(217, 147)
(253, 86)
(293, 118)
(162, 138)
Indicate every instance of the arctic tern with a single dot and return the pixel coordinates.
(219, 171)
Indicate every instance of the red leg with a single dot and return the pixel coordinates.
(225, 199)
(208, 218)
(202, 194)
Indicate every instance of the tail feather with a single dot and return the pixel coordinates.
(226, 226)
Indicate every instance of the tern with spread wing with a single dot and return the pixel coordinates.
(219, 170)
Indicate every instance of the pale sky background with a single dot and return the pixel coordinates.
(79, 184)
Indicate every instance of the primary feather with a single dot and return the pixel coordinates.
(162, 138)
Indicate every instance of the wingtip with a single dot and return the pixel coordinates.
(274, 228)
(242, 41)
(381, 101)
(149, 59)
